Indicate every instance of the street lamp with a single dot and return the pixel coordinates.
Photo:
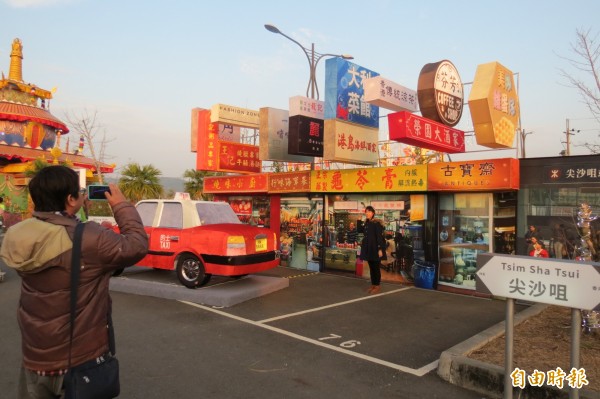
(523, 135)
(313, 59)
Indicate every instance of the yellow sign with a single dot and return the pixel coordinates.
(230, 115)
(494, 106)
(396, 178)
(349, 142)
(418, 207)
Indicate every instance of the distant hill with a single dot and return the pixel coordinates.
(169, 183)
(172, 183)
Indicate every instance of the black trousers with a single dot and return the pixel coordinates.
(374, 268)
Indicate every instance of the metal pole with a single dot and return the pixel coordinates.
(508, 347)
(313, 73)
(575, 345)
(568, 140)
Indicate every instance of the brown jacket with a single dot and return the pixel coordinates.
(40, 250)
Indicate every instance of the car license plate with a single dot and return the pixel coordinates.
(261, 244)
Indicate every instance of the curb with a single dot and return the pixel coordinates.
(488, 379)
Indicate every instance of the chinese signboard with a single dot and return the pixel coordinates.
(207, 140)
(305, 136)
(483, 175)
(312, 108)
(241, 158)
(255, 183)
(440, 93)
(421, 132)
(274, 136)
(572, 173)
(344, 93)
(292, 182)
(397, 178)
(555, 282)
(387, 94)
(388, 205)
(195, 127)
(494, 106)
(346, 142)
(229, 115)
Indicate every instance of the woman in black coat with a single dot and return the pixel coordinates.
(372, 248)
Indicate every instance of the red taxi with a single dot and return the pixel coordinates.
(200, 238)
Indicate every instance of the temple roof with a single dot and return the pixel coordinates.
(22, 113)
(10, 152)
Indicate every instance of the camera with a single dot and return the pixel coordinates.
(96, 192)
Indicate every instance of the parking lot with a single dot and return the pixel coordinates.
(321, 337)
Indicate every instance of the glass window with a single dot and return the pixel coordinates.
(215, 213)
(172, 215)
(147, 210)
(464, 231)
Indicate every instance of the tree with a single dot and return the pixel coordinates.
(88, 127)
(586, 52)
(140, 182)
(194, 183)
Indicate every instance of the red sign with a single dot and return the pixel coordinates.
(292, 182)
(256, 183)
(422, 132)
(240, 158)
(207, 140)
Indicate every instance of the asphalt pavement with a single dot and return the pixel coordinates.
(318, 336)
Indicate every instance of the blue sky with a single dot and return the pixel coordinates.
(143, 65)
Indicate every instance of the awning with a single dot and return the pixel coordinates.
(23, 113)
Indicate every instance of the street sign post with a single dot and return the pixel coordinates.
(553, 281)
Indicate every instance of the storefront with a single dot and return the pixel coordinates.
(319, 215)
(476, 213)
(398, 196)
(552, 191)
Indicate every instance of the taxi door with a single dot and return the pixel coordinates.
(163, 223)
(165, 238)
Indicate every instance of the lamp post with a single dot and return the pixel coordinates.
(569, 133)
(523, 135)
(313, 59)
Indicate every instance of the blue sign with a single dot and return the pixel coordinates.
(345, 94)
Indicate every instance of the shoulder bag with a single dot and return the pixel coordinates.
(97, 378)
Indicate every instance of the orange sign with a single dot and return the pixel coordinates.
(256, 183)
(292, 182)
(484, 175)
(206, 140)
(494, 106)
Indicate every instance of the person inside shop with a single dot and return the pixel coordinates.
(351, 234)
(372, 248)
(529, 237)
(539, 251)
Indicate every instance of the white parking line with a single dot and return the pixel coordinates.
(331, 306)
(416, 372)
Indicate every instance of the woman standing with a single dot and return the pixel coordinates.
(372, 248)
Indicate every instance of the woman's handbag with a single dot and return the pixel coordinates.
(97, 378)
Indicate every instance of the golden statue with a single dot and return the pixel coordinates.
(16, 56)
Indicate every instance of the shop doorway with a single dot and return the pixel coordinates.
(301, 235)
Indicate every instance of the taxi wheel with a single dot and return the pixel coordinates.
(190, 271)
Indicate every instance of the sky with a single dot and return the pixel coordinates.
(142, 66)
